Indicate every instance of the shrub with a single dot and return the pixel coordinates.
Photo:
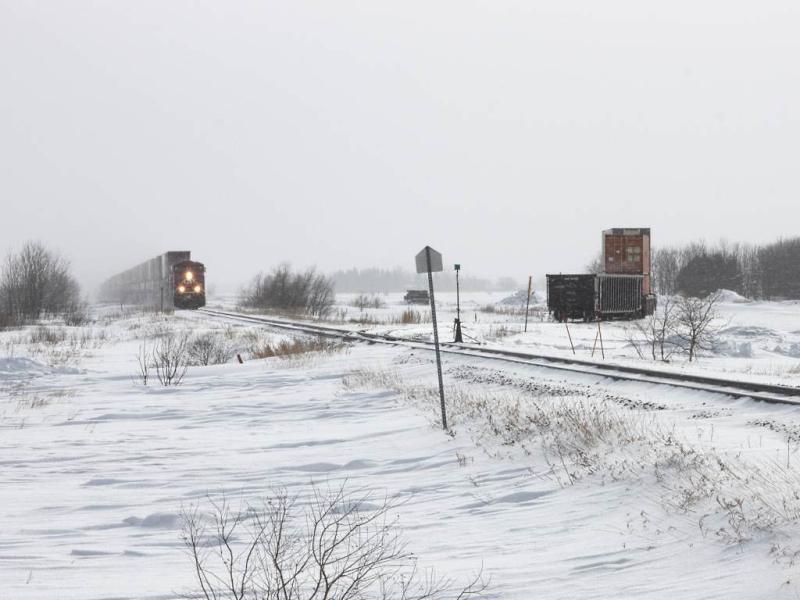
(170, 359)
(7, 320)
(305, 292)
(47, 335)
(363, 301)
(332, 545)
(76, 315)
(209, 349)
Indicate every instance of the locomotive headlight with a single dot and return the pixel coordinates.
(189, 275)
(181, 289)
(197, 289)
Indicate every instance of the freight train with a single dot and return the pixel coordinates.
(622, 291)
(171, 280)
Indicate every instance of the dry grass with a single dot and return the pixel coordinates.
(411, 317)
(295, 346)
(408, 317)
(27, 399)
(736, 500)
(55, 345)
(47, 335)
(497, 332)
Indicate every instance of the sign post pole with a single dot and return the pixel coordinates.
(459, 338)
(429, 260)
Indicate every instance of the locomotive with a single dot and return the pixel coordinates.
(170, 280)
(189, 284)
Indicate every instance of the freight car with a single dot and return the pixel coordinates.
(416, 297)
(621, 291)
(171, 280)
(597, 296)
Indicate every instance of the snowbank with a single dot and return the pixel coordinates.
(22, 367)
(732, 297)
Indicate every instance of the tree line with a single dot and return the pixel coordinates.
(376, 280)
(768, 271)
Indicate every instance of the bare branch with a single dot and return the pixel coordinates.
(345, 547)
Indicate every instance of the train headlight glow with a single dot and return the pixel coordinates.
(197, 289)
(189, 275)
(181, 289)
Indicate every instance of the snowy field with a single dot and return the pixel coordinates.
(555, 487)
(759, 341)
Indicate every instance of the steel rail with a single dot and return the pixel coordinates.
(775, 394)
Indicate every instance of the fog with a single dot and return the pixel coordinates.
(507, 135)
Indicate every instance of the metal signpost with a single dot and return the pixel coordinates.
(428, 261)
(459, 337)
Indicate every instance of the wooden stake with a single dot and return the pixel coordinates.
(570, 337)
(600, 334)
(528, 303)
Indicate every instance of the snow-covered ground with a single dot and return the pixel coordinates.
(759, 341)
(556, 486)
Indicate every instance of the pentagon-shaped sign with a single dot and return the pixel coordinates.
(435, 260)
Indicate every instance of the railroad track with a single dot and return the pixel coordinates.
(774, 394)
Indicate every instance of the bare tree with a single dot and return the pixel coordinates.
(665, 267)
(338, 545)
(596, 264)
(697, 323)
(655, 331)
(37, 281)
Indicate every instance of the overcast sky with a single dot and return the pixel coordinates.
(340, 133)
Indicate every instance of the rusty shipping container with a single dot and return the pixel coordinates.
(626, 251)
